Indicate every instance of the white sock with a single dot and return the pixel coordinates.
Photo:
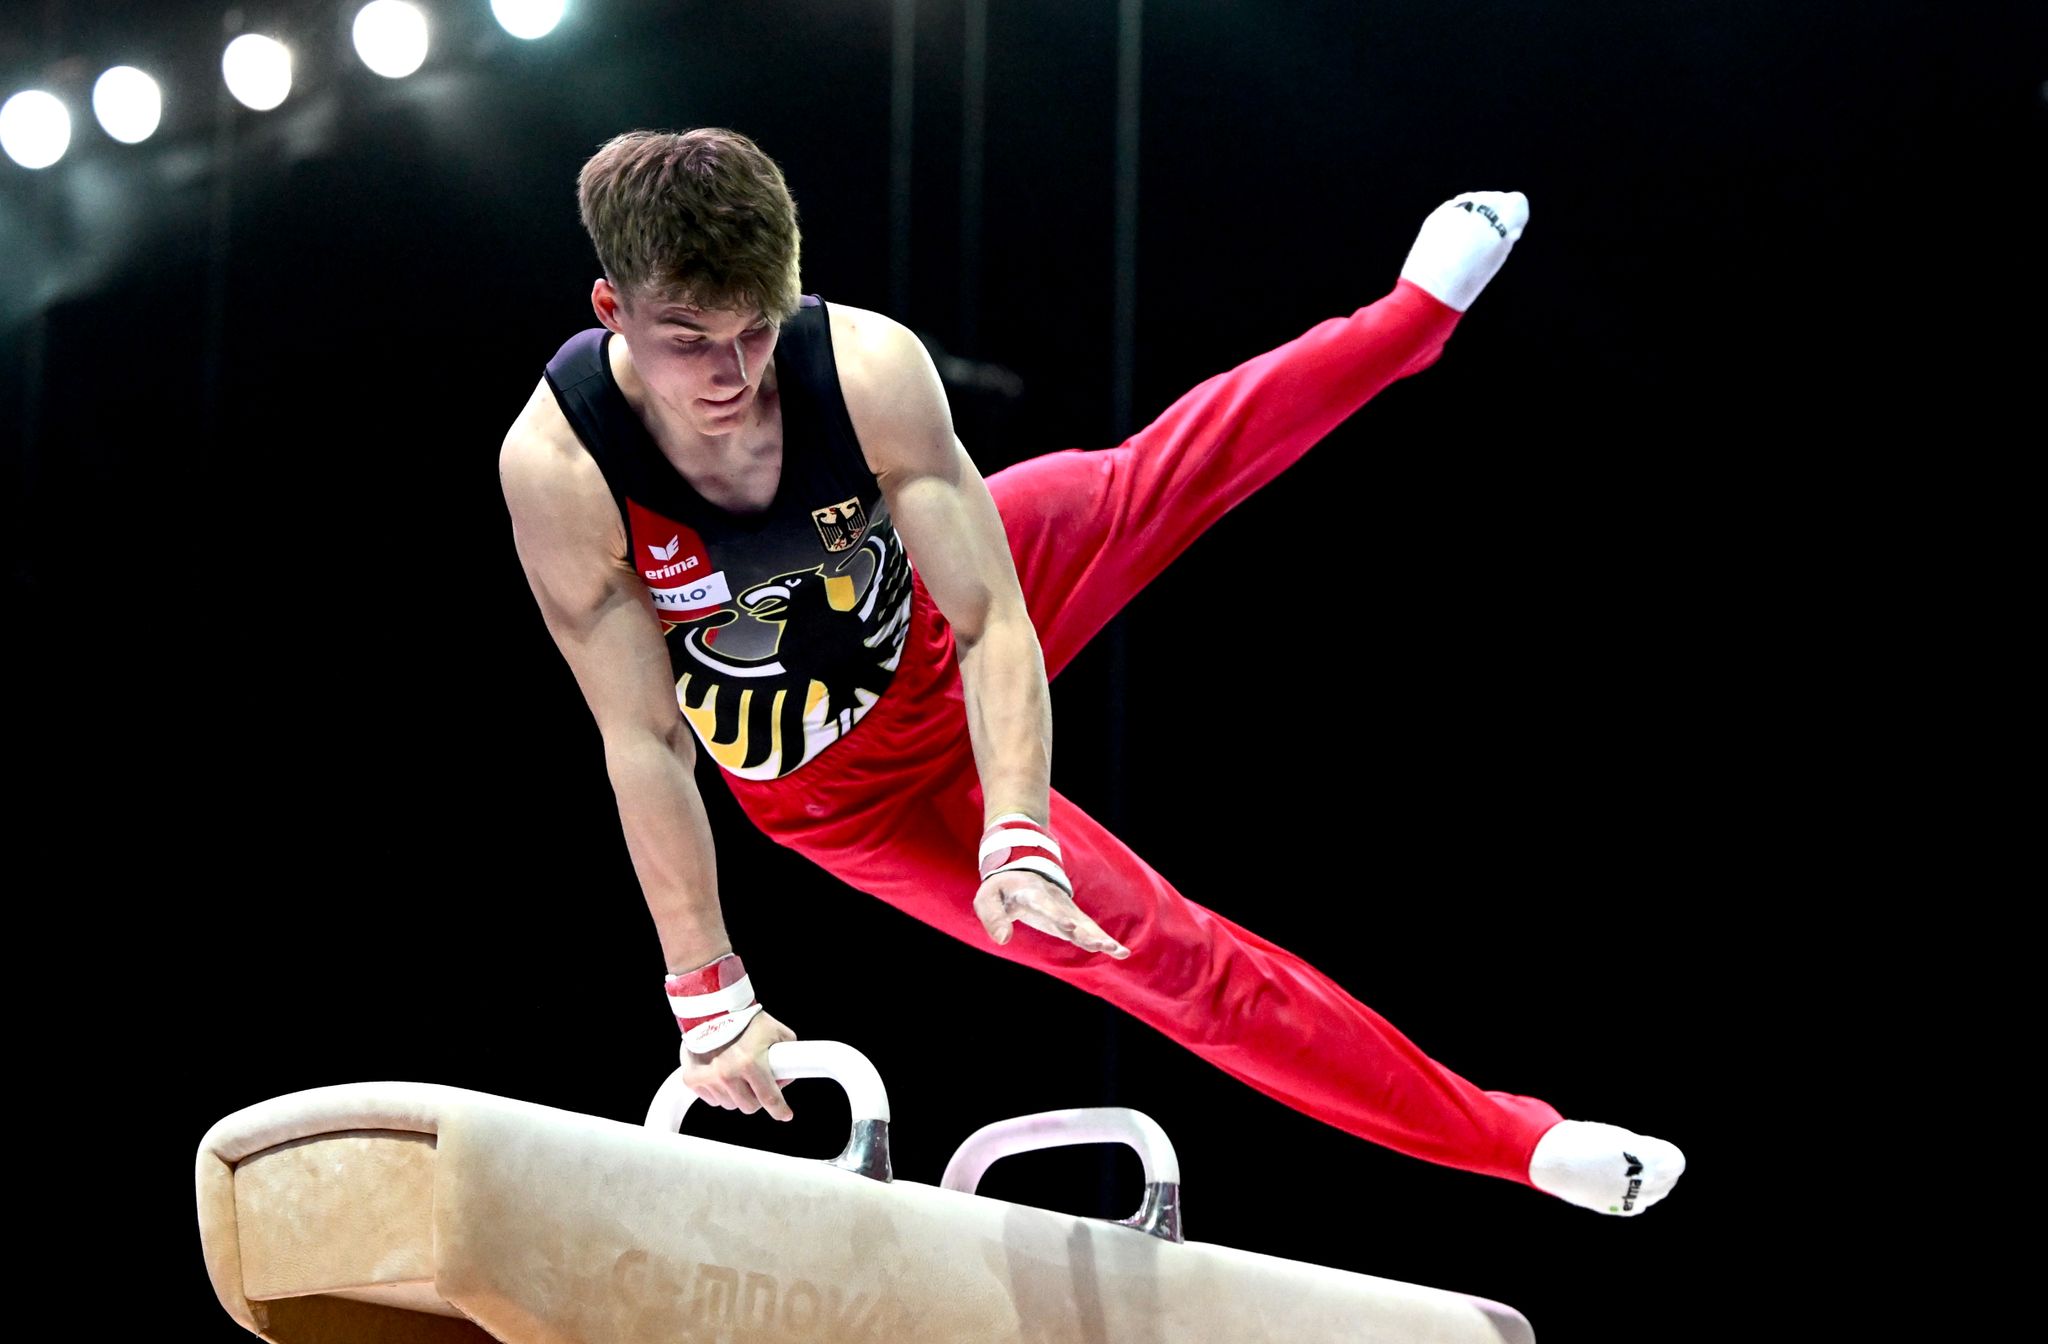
(1463, 242)
(1604, 1167)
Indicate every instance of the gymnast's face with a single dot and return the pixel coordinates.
(703, 366)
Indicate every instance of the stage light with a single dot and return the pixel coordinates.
(128, 103)
(528, 18)
(35, 130)
(258, 70)
(391, 37)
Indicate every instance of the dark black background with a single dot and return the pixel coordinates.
(306, 796)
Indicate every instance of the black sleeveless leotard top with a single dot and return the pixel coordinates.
(785, 626)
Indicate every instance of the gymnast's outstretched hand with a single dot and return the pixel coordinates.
(735, 1076)
(1016, 896)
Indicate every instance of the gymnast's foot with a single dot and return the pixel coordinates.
(1604, 1167)
(1463, 243)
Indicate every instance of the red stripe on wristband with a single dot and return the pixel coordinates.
(727, 970)
(723, 973)
(1024, 845)
(1006, 854)
(1000, 858)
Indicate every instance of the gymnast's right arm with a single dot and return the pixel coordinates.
(572, 545)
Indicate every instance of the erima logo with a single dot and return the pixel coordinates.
(1635, 1181)
(1492, 217)
(668, 552)
(668, 571)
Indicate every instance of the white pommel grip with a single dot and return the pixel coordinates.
(1055, 1129)
(866, 1098)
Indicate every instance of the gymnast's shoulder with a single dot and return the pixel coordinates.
(550, 481)
(892, 389)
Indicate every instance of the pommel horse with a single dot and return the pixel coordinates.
(408, 1213)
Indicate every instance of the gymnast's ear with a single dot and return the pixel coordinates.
(607, 303)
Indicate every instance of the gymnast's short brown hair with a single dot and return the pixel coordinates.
(700, 217)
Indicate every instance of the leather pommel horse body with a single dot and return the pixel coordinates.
(407, 1213)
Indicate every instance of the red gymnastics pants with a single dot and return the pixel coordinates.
(895, 807)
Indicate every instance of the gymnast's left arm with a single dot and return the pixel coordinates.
(948, 522)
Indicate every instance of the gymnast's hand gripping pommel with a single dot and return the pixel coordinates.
(726, 1037)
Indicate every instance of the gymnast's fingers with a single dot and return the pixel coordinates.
(1063, 919)
(1086, 933)
(1009, 898)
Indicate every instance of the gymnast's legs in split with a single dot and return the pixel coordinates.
(891, 809)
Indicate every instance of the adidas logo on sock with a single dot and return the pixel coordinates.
(1635, 1182)
(1491, 216)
